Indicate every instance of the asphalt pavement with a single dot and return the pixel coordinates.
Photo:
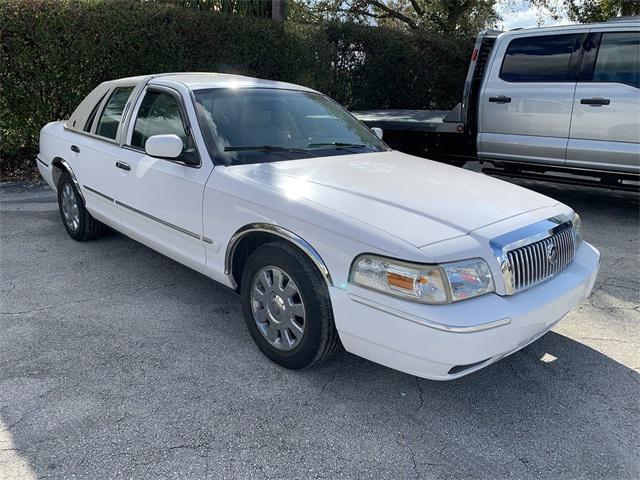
(116, 362)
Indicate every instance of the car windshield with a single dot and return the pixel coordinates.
(252, 125)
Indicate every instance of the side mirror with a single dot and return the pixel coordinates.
(377, 131)
(164, 146)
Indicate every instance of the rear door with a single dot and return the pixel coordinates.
(525, 106)
(605, 127)
(95, 153)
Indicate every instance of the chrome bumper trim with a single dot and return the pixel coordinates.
(427, 323)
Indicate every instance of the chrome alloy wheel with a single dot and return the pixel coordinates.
(70, 208)
(278, 309)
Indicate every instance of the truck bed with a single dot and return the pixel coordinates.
(408, 120)
(424, 133)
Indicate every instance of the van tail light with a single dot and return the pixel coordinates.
(474, 55)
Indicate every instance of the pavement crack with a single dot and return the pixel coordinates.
(420, 394)
(524, 461)
(85, 300)
(607, 283)
(22, 418)
(603, 339)
(329, 381)
(49, 307)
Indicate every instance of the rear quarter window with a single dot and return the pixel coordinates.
(539, 59)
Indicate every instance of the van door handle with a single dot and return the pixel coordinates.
(500, 99)
(595, 101)
(123, 166)
(75, 149)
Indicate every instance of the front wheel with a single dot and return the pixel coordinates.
(77, 220)
(287, 308)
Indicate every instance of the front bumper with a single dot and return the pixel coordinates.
(444, 342)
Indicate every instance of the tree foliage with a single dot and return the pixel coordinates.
(54, 52)
(588, 11)
(453, 17)
(254, 8)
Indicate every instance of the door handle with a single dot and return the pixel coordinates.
(595, 101)
(75, 149)
(500, 99)
(123, 166)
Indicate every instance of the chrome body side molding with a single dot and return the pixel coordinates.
(100, 194)
(280, 232)
(146, 215)
(159, 220)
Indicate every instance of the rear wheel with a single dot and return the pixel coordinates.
(78, 222)
(287, 308)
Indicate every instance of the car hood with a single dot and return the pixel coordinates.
(417, 200)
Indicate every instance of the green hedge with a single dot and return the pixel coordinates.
(53, 52)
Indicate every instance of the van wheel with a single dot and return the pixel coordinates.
(78, 222)
(286, 306)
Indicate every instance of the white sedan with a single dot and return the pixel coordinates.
(330, 237)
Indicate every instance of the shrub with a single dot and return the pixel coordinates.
(53, 52)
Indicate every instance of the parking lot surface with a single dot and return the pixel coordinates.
(116, 362)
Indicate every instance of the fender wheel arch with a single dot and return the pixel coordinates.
(60, 165)
(250, 237)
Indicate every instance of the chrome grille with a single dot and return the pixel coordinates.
(538, 261)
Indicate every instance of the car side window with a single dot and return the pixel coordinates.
(92, 115)
(539, 59)
(112, 113)
(618, 59)
(159, 114)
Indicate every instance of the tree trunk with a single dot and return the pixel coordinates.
(277, 12)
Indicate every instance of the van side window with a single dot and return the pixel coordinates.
(112, 113)
(618, 59)
(538, 59)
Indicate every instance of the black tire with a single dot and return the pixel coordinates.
(457, 163)
(320, 341)
(88, 228)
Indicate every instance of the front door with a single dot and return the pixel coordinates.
(525, 105)
(605, 128)
(160, 199)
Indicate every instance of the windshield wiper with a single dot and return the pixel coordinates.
(339, 145)
(265, 148)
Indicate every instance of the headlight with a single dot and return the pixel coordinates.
(444, 283)
(577, 228)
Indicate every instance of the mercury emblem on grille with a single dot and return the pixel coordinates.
(552, 253)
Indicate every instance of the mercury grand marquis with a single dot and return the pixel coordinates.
(332, 239)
